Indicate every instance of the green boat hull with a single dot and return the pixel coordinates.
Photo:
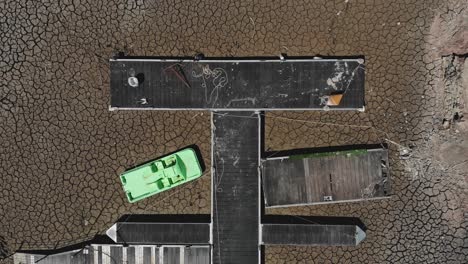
(161, 175)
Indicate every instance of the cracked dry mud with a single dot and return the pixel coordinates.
(61, 149)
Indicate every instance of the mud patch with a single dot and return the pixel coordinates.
(449, 31)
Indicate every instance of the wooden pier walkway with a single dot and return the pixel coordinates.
(326, 178)
(235, 188)
(224, 85)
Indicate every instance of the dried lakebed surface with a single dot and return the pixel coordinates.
(61, 149)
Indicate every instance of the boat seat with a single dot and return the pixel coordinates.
(152, 185)
(177, 178)
(153, 178)
(159, 165)
(164, 183)
(170, 162)
(170, 172)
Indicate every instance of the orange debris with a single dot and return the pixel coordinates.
(334, 99)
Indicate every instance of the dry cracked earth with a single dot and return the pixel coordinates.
(61, 149)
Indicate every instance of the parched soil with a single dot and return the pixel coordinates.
(61, 149)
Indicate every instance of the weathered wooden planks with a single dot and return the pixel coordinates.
(290, 181)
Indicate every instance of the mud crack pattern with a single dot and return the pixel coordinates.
(61, 149)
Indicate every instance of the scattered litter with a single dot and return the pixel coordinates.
(334, 100)
(179, 73)
(133, 81)
(405, 153)
(445, 124)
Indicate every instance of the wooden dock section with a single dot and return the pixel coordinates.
(237, 84)
(160, 233)
(312, 234)
(114, 254)
(235, 188)
(312, 230)
(325, 177)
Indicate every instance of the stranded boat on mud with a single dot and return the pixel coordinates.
(161, 175)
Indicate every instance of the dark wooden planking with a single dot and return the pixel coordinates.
(382, 185)
(307, 181)
(166, 218)
(293, 188)
(90, 256)
(116, 254)
(146, 254)
(235, 188)
(295, 84)
(99, 252)
(72, 257)
(161, 233)
(171, 255)
(60, 259)
(54, 259)
(197, 255)
(156, 255)
(311, 234)
(131, 255)
(80, 258)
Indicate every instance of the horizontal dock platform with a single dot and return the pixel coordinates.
(312, 234)
(326, 177)
(160, 233)
(312, 230)
(274, 84)
(113, 254)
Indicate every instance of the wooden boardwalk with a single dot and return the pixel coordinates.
(312, 234)
(116, 254)
(236, 84)
(333, 178)
(160, 233)
(235, 188)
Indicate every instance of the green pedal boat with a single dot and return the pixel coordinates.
(161, 175)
